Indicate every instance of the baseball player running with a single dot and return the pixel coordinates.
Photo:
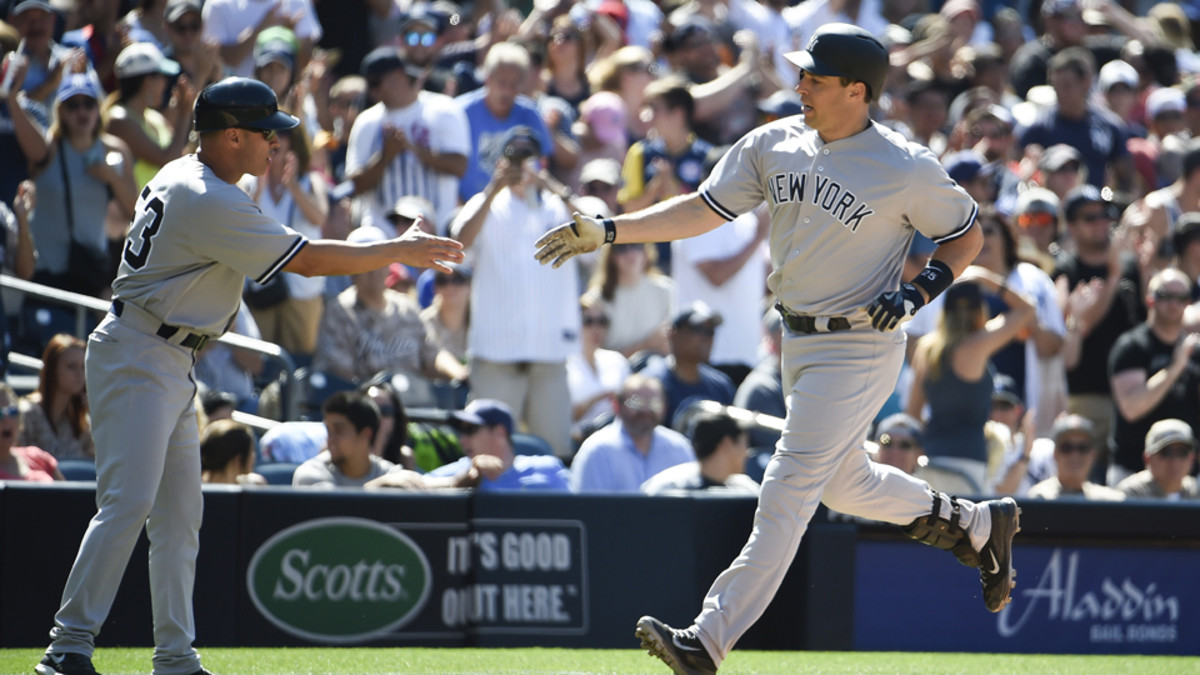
(194, 239)
(845, 195)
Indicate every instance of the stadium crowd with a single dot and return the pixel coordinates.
(1063, 363)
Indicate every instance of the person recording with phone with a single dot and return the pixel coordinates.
(525, 319)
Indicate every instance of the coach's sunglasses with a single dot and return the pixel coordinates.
(267, 134)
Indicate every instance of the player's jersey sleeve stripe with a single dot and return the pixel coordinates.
(282, 261)
(962, 229)
(716, 206)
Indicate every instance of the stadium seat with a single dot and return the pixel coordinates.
(528, 444)
(277, 473)
(77, 469)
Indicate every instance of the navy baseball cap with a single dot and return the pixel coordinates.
(966, 165)
(697, 314)
(845, 50)
(1078, 198)
(383, 60)
(1004, 388)
(899, 423)
(486, 412)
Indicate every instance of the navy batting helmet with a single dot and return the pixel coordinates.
(240, 102)
(845, 50)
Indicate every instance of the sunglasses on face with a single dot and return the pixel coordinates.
(267, 134)
(9, 411)
(189, 27)
(595, 321)
(1175, 452)
(79, 103)
(1068, 448)
(1036, 220)
(887, 441)
(1162, 295)
(1094, 218)
(702, 331)
(469, 429)
(423, 39)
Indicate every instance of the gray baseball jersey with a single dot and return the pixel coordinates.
(842, 213)
(842, 217)
(194, 240)
(186, 269)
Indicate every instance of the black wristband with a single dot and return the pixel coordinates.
(610, 230)
(935, 278)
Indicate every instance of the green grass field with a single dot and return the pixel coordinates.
(360, 660)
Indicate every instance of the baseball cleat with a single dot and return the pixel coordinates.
(65, 664)
(679, 649)
(996, 571)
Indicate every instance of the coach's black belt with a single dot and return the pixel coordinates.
(800, 323)
(166, 331)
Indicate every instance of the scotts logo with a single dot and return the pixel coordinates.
(339, 580)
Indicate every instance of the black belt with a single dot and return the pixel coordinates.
(166, 331)
(800, 323)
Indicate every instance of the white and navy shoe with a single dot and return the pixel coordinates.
(679, 649)
(65, 664)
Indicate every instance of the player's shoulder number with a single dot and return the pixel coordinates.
(153, 212)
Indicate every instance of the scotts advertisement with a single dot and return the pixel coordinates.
(1067, 600)
(354, 580)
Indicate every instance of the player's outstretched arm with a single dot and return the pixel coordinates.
(326, 257)
(676, 218)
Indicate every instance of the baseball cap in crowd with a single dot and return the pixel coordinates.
(707, 429)
(1004, 389)
(76, 84)
(486, 412)
(366, 235)
(1056, 157)
(1072, 424)
(1078, 198)
(275, 44)
(692, 30)
(177, 8)
(953, 8)
(1169, 432)
(1060, 7)
(383, 60)
(605, 113)
(898, 423)
(422, 15)
(412, 207)
(1165, 100)
(521, 142)
(25, 5)
(1036, 206)
(965, 166)
(697, 314)
(602, 169)
(143, 58)
(783, 103)
(1117, 72)
(615, 10)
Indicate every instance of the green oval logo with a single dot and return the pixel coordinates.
(339, 580)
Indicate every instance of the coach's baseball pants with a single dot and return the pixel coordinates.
(837, 382)
(142, 403)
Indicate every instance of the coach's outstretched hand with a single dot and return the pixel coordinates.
(564, 242)
(421, 249)
(890, 309)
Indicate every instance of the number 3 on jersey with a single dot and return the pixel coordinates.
(154, 211)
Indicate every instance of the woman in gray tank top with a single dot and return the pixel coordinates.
(952, 372)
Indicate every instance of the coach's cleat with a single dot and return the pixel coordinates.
(996, 571)
(65, 664)
(202, 671)
(679, 649)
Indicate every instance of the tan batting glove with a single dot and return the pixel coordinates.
(584, 235)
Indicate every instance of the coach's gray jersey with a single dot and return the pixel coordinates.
(187, 270)
(842, 213)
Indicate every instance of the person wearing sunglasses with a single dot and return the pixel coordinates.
(594, 375)
(87, 171)
(898, 438)
(1101, 270)
(1153, 374)
(1075, 451)
(183, 27)
(1170, 455)
(27, 462)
